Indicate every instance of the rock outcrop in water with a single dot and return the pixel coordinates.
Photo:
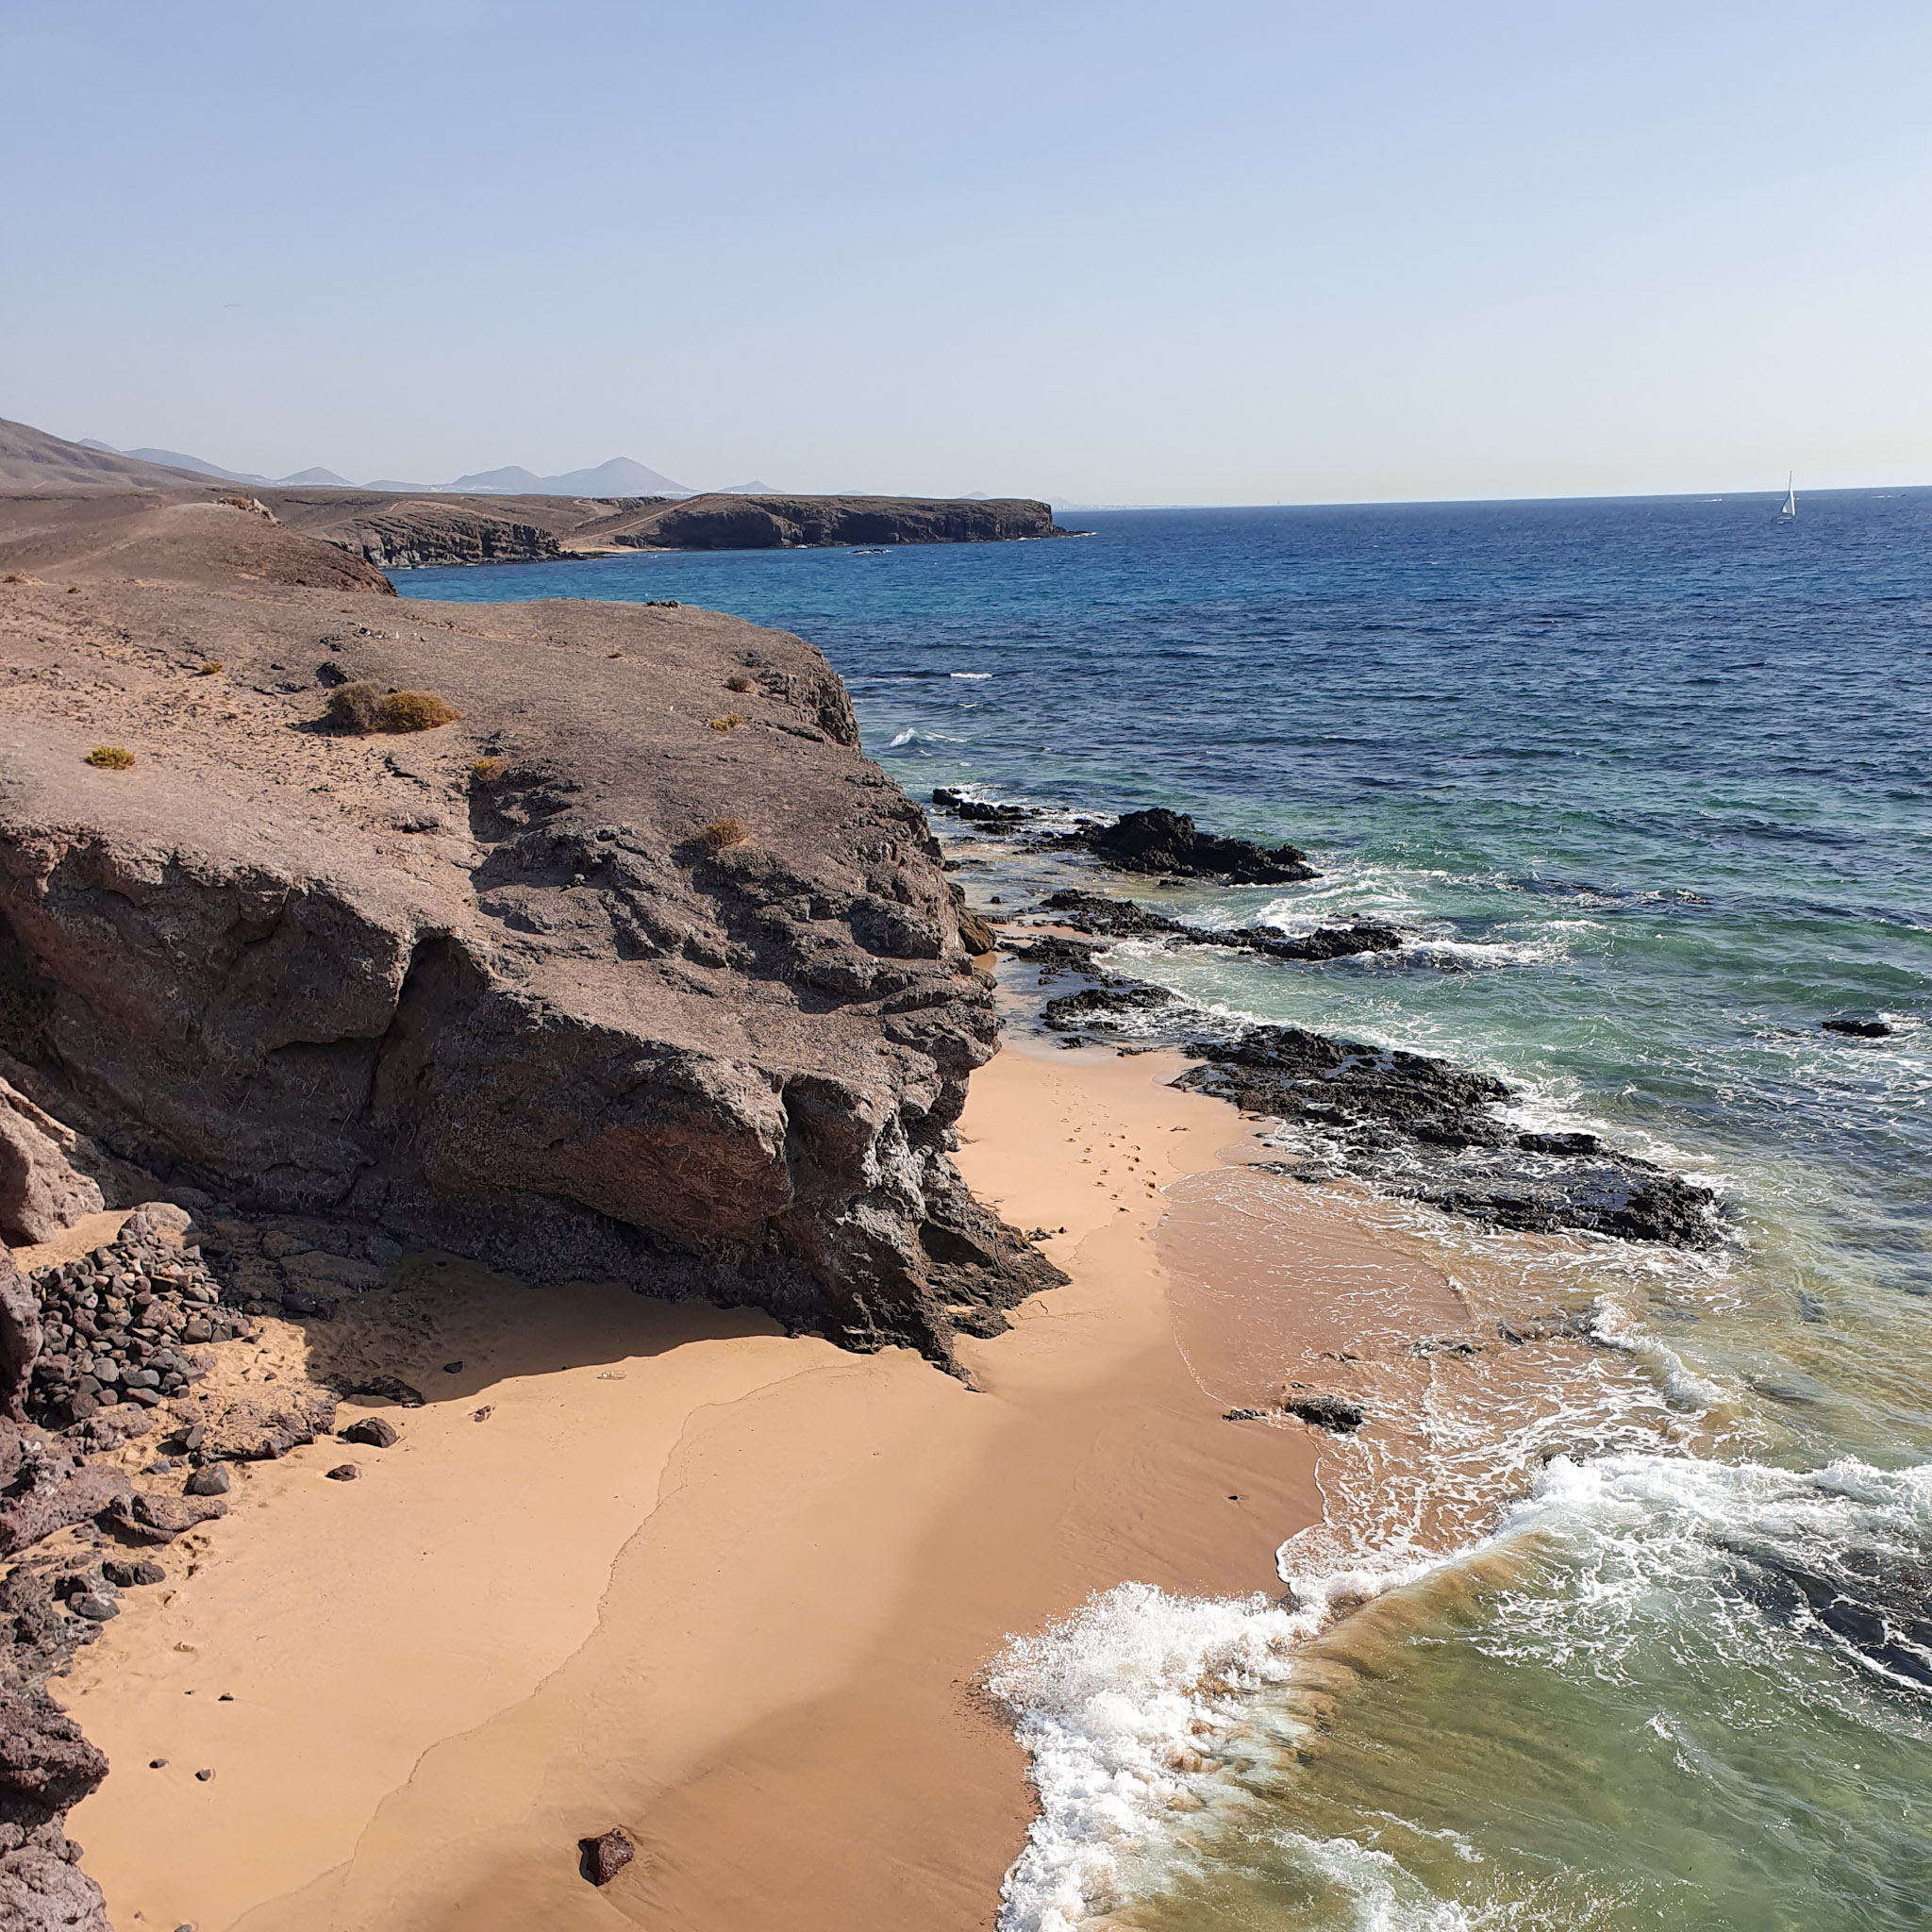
(1433, 1131)
(1168, 843)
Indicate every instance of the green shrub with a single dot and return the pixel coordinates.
(110, 757)
(729, 721)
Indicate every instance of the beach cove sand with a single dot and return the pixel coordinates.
(666, 1568)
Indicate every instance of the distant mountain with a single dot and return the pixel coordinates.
(402, 488)
(619, 476)
(33, 462)
(175, 461)
(744, 490)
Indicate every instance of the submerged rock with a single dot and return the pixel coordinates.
(1858, 1029)
(1340, 1414)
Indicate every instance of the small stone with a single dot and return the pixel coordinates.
(96, 1609)
(125, 1576)
(452, 1368)
(371, 1431)
(203, 1776)
(481, 1415)
(156, 1763)
(604, 1858)
(342, 1472)
(211, 1481)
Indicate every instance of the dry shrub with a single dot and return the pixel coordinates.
(738, 681)
(13, 576)
(416, 711)
(110, 757)
(208, 669)
(722, 832)
(729, 721)
(74, 590)
(487, 771)
(364, 706)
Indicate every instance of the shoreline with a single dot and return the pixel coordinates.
(759, 1576)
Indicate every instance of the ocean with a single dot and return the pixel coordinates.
(1637, 1628)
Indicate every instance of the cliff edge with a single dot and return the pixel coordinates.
(637, 968)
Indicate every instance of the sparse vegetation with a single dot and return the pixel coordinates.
(487, 771)
(416, 711)
(729, 721)
(110, 757)
(738, 681)
(722, 832)
(13, 576)
(364, 708)
(74, 590)
(208, 670)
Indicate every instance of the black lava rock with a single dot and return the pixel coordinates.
(371, 1431)
(602, 1858)
(1164, 842)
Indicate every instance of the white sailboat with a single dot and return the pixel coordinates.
(1788, 514)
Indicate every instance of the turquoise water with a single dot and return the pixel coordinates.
(1648, 1631)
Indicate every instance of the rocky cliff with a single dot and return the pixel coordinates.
(400, 532)
(638, 969)
(784, 522)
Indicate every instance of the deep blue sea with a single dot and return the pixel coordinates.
(1650, 784)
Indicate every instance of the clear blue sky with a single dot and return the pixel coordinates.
(1109, 253)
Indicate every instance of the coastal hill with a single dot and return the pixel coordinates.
(402, 532)
(404, 529)
(578, 940)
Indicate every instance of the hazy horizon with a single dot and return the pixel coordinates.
(1100, 255)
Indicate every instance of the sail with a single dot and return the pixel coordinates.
(1791, 508)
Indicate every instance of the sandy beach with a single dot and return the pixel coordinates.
(665, 1567)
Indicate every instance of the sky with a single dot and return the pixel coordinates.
(1102, 252)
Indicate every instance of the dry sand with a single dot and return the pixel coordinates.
(730, 1589)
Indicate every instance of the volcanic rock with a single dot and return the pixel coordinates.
(1337, 1413)
(40, 1191)
(605, 1856)
(211, 1481)
(1162, 842)
(371, 1431)
(1099, 1005)
(1858, 1029)
(684, 1007)
(1425, 1128)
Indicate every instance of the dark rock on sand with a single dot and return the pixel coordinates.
(372, 1432)
(1162, 842)
(605, 1856)
(342, 1472)
(1054, 955)
(127, 1575)
(1425, 1128)
(1338, 1414)
(212, 1481)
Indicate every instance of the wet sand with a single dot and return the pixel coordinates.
(736, 1601)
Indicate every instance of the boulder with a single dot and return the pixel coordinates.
(372, 1432)
(606, 1855)
(40, 1191)
(20, 1337)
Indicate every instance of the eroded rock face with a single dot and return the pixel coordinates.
(641, 970)
(41, 1191)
